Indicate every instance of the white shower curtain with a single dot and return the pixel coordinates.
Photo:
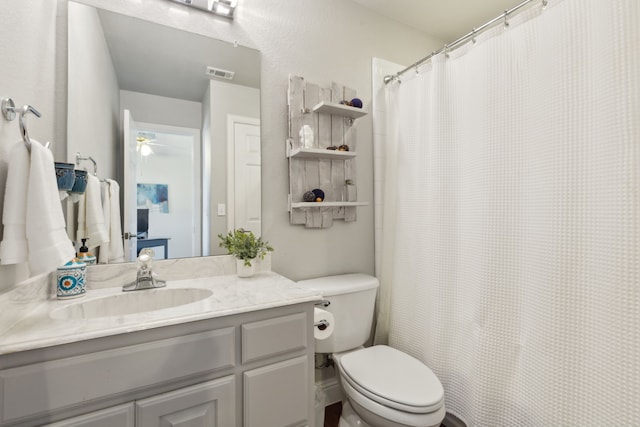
(511, 224)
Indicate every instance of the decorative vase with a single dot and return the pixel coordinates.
(244, 270)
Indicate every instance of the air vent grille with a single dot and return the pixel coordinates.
(220, 73)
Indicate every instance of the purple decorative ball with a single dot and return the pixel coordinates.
(356, 102)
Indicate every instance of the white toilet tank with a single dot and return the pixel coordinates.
(352, 297)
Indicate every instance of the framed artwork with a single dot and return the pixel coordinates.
(154, 197)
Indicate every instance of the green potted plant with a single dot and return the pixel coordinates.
(246, 247)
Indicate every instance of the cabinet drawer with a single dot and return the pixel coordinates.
(42, 387)
(274, 336)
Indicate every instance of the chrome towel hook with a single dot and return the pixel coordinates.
(9, 111)
(23, 123)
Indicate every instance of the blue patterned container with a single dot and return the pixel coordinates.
(80, 184)
(72, 279)
(65, 175)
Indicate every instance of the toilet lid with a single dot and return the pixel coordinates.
(393, 378)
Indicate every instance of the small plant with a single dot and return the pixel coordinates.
(244, 245)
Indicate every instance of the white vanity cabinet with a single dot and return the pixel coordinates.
(249, 369)
(121, 416)
(207, 404)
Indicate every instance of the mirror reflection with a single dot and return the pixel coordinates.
(174, 118)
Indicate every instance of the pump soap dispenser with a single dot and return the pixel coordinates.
(84, 255)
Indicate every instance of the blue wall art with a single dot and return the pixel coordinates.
(155, 197)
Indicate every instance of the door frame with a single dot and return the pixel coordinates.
(197, 205)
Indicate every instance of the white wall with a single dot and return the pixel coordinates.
(323, 41)
(28, 34)
(161, 109)
(94, 94)
(174, 171)
(225, 99)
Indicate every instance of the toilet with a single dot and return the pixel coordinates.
(384, 387)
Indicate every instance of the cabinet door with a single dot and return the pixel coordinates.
(210, 404)
(277, 395)
(121, 416)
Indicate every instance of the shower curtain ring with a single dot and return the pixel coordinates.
(416, 67)
(506, 18)
(446, 51)
(545, 3)
(473, 36)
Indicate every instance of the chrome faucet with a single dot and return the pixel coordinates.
(145, 279)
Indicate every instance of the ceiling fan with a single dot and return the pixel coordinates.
(144, 141)
(148, 143)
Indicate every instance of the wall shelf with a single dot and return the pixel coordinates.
(299, 205)
(332, 171)
(320, 153)
(339, 110)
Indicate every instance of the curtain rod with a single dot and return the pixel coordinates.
(471, 35)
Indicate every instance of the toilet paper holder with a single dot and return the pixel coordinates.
(322, 325)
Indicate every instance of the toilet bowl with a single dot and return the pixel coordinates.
(384, 387)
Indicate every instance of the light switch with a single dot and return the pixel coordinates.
(222, 209)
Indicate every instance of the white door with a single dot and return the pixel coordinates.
(130, 212)
(246, 200)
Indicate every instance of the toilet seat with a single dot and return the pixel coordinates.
(392, 378)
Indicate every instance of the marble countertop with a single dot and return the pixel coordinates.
(230, 295)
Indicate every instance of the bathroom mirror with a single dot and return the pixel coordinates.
(174, 118)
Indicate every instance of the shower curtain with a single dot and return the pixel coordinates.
(511, 237)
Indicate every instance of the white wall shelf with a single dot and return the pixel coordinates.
(339, 110)
(320, 153)
(332, 171)
(316, 205)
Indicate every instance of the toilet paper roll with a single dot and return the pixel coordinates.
(323, 324)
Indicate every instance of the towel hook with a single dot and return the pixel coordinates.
(23, 123)
(9, 111)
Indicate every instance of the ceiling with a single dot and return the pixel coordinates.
(164, 61)
(446, 20)
(147, 55)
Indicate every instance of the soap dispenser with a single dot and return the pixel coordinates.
(84, 255)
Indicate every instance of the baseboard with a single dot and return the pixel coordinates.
(328, 392)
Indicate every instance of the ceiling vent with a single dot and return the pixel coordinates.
(219, 73)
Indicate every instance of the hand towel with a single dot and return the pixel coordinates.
(91, 224)
(48, 244)
(114, 250)
(13, 248)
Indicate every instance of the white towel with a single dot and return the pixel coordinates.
(113, 251)
(34, 229)
(91, 224)
(14, 249)
(49, 246)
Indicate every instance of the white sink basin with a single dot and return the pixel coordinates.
(130, 303)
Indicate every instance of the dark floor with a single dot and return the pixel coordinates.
(332, 415)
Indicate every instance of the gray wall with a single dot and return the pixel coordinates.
(93, 86)
(323, 41)
(225, 99)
